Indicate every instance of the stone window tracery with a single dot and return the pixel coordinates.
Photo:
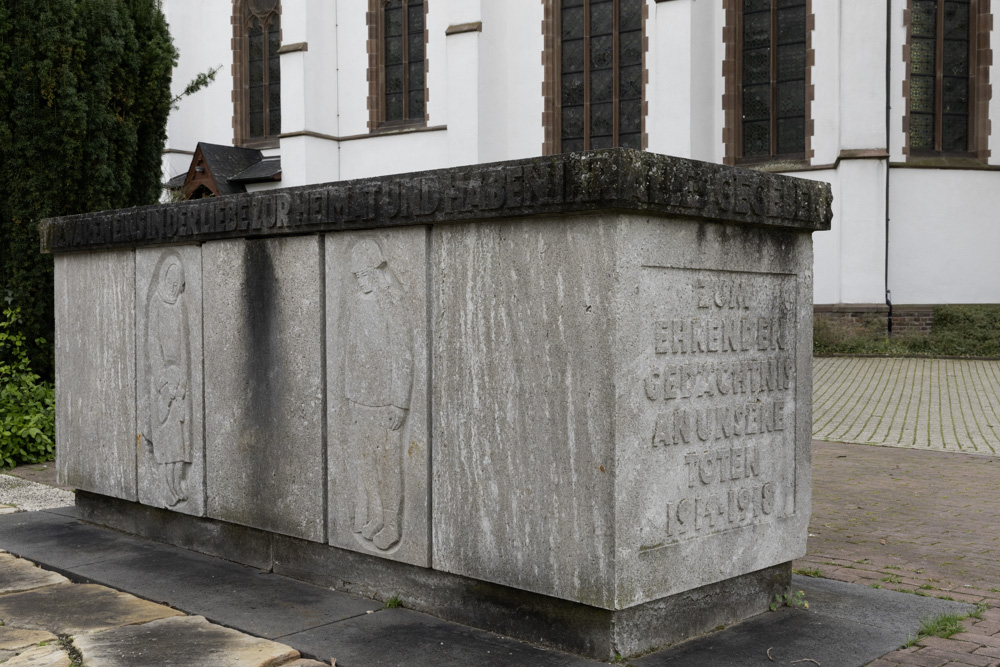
(257, 72)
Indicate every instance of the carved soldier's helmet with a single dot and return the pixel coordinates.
(366, 254)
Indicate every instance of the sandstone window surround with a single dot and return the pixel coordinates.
(768, 81)
(397, 64)
(947, 87)
(256, 73)
(595, 74)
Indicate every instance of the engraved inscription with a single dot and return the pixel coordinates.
(167, 358)
(719, 395)
(378, 381)
(617, 178)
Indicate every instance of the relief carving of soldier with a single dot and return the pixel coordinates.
(168, 370)
(378, 379)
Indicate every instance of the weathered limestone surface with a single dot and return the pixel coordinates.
(376, 290)
(95, 372)
(524, 322)
(169, 385)
(17, 574)
(616, 412)
(264, 384)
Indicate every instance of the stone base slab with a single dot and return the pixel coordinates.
(561, 624)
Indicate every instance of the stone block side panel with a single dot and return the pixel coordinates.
(264, 400)
(523, 397)
(95, 372)
(712, 462)
(169, 379)
(379, 440)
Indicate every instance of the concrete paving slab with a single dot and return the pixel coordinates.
(845, 626)
(41, 656)
(72, 609)
(62, 543)
(405, 638)
(17, 574)
(13, 639)
(184, 641)
(263, 604)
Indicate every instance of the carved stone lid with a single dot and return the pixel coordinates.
(607, 180)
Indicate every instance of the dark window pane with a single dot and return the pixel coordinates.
(415, 16)
(572, 23)
(602, 86)
(630, 48)
(416, 46)
(923, 19)
(274, 70)
(956, 133)
(791, 3)
(394, 106)
(756, 5)
(922, 94)
(274, 110)
(756, 66)
(601, 120)
(792, 62)
(792, 25)
(601, 52)
(630, 15)
(922, 56)
(791, 136)
(630, 141)
(572, 145)
(956, 20)
(921, 131)
(572, 56)
(256, 124)
(393, 50)
(757, 138)
(757, 30)
(630, 82)
(791, 99)
(256, 41)
(602, 18)
(256, 99)
(256, 72)
(956, 95)
(956, 57)
(630, 116)
(393, 19)
(417, 75)
(757, 103)
(572, 89)
(572, 3)
(274, 37)
(416, 105)
(394, 79)
(572, 124)
(602, 142)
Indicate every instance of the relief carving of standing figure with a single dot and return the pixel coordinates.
(168, 369)
(379, 375)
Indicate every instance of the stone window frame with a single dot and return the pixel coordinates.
(980, 89)
(241, 77)
(552, 67)
(732, 98)
(376, 72)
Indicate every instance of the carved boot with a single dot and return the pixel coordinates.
(389, 534)
(373, 526)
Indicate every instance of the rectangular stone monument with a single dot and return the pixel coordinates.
(565, 398)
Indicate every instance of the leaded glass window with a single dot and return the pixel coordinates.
(402, 54)
(262, 86)
(773, 83)
(600, 82)
(940, 53)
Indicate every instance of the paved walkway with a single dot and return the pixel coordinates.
(938, 404)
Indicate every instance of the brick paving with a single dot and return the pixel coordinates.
(918, 521)
(939, 404)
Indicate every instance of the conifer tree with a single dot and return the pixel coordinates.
(84, 99)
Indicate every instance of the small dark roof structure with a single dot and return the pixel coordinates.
(224, 170)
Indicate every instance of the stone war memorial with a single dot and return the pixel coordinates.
(566, 399)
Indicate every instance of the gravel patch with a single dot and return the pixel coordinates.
(31, 496)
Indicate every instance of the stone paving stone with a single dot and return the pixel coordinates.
(78, 608)
(186, 641)
(41, 656)
(17, 574)
(13, 639)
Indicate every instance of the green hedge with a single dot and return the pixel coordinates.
(27, 405)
